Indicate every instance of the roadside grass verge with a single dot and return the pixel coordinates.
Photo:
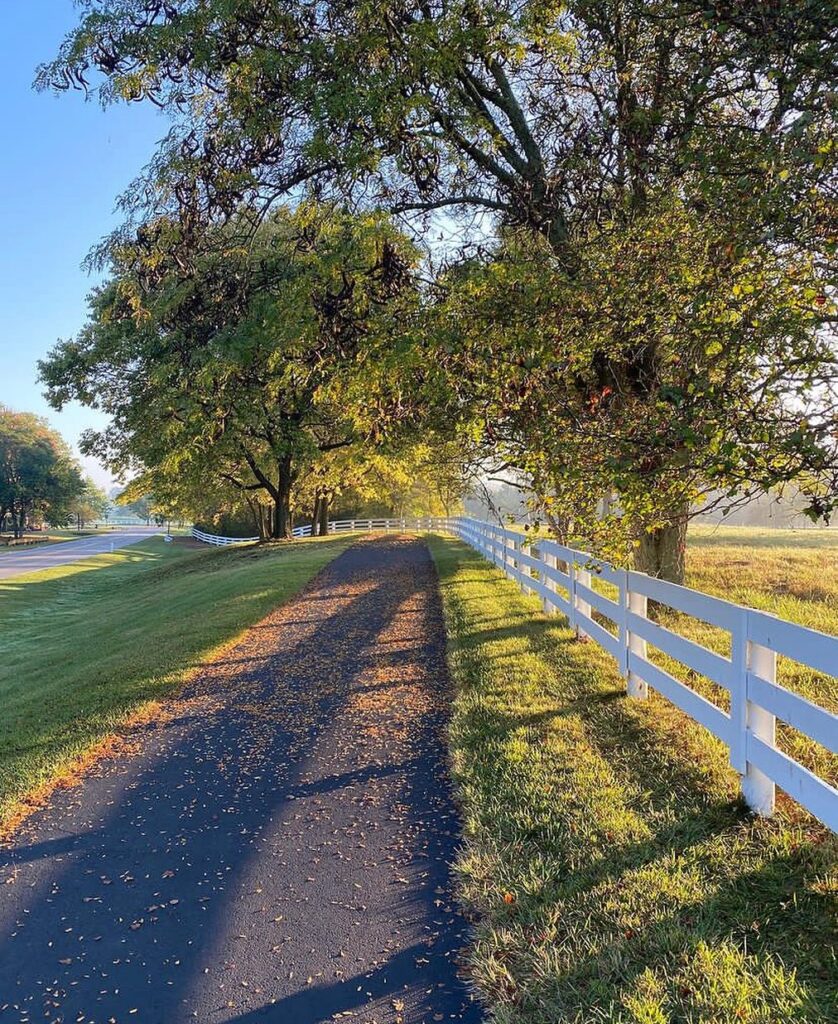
(86, 645)
(7, 542)
(611, 871)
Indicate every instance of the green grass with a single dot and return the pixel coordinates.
(612, 873)
(36, 539)
(86, 644)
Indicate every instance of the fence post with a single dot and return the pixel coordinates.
(757, 789)
(523, 569)
(550, 561)
(739, 695)
(509, 548)
(639, 604)
(582, 607)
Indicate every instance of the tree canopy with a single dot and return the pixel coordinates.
(635, 303)
(39, 477)
(235, 370)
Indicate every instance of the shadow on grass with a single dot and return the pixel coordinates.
(618, 827)
(82, 650)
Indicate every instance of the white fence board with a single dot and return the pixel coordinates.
(599, 633)
(817, 650)
(610, 609)
(801, 714)
(701, 606)
(693, 655)
(800, 784)
(696, 706)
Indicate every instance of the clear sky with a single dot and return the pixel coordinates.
(63, 162)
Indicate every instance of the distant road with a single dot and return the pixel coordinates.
(16, 563)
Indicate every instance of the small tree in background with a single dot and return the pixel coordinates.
(38, 475)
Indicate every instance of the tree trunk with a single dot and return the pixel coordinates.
(258, 513)
(324, 516)
(282, 529)
(315, 516)
(662, 552)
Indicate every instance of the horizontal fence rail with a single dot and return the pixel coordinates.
(562, 577)
(410, 524)
(220, 542)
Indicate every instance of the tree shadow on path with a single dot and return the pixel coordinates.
(279, 848)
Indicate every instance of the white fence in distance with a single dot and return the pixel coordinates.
(393, 525)
(220, 542)
(749, 674)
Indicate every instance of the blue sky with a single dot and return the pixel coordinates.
(63, 162)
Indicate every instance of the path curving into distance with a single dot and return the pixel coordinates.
(277, 849)
(18, 562)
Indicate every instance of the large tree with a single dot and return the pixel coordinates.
(89, 504)
(38, 474)
(231, 368)
(740, 398)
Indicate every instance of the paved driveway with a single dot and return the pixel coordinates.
(16, 563)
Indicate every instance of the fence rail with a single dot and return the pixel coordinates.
(392, 525)
(562, 578)
(749, 674)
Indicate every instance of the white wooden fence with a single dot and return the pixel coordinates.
(749, 674)
(409, 524)
(221, 542)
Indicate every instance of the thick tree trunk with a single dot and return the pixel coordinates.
(323, 525)
(662, 552)
(282, 529)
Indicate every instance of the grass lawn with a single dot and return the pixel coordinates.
(611, 870)
(87, 644)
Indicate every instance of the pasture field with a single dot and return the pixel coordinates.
(612, 872)
(88, 644)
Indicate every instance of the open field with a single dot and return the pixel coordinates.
(612, 871)
(89, 643)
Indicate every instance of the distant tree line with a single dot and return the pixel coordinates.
(40, 481)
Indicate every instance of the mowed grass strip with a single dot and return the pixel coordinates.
(85, 645)
(10, 544)
(611, 870)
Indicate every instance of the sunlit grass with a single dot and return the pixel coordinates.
(86, 644)
(612, 872)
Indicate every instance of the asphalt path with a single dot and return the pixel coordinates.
(17, 562)
(277, 845)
